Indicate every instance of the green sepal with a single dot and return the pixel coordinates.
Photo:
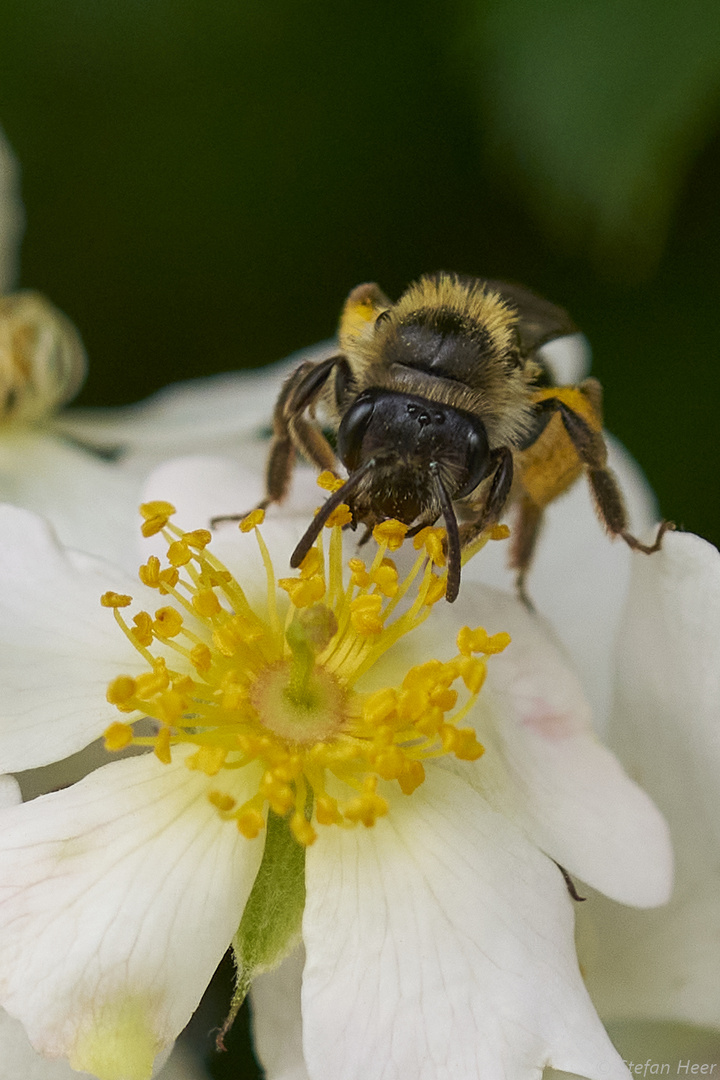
(272, 920)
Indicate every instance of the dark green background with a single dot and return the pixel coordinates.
(204, 182)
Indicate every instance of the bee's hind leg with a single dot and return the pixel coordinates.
(609, 503)
(526, 529)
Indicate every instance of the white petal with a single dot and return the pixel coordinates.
(118, 898)
(440, 945)
(666, 723)
(202, 487)
(18, 1060)
(12, 218)
(9, 792)
(58, 647)
(579, 576)
(666, 728)
(543, 767)
(91, 504)
(201, 414)
(569, 359)
(277, 1020)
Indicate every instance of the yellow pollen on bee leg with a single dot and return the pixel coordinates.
(232, 686)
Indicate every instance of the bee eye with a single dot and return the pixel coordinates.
(477, 457)
(382, 318)
(352, 431)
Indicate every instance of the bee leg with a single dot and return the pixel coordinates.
(592, 451)
(291, 432)
(422, 524)
(313, 445)
(525, 532)
(365, 536)
(497, 496)
(570, 884)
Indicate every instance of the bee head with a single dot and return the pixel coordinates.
(408, 458)
(412, 442)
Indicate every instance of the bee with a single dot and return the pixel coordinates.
(443, 407)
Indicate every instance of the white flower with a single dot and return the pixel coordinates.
(666, 726)
(580, 581)
(438, 933)
(18, 1060)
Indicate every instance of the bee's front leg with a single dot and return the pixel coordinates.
(492, 507)
(293, 433)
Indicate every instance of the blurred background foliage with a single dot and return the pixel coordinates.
(205, 182)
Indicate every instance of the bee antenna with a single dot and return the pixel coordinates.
(453, 536)
(337, 497)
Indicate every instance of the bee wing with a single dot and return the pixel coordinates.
(539, 320)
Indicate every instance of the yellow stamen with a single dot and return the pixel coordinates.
(391, 533)
(121, 690)
(252, 520)
(118, 736)
(115, 600)
(340, 516)
(277, 687)
(328, 481)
